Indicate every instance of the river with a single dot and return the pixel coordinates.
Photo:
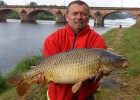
(20, 40)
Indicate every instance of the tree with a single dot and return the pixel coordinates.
(2, 3)
(33, 4)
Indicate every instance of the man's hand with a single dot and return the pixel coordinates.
(40, 78)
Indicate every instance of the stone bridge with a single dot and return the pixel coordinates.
(28, 13)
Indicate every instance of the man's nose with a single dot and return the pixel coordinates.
(79, 15)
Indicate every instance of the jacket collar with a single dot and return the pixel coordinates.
(81, 33)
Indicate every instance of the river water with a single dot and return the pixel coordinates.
(21, 40)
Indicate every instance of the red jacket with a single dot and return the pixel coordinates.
(62, 40)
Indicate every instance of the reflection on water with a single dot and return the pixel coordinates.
(116, 23)
(21, 40)
(124, 22)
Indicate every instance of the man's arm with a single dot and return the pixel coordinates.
(51, 46)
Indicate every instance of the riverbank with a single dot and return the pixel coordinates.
(124, 41)
(123, 84)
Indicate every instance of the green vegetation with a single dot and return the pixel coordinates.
(41, 16)
(2, 84)
(138, 98)
(8, 91)
(44, 16)
(125, 42)
(137, 25)
(13, 15)
(24, 65)
(23, 11)
(133, 71)
(114, 16)
(32, 4)
(2, 3)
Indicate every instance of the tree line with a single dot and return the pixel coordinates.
(2, 3)
(41, 16)
(118, 15)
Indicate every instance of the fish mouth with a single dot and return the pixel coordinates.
(125, 65)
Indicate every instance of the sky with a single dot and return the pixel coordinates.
(91, 3)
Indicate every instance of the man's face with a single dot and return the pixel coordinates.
(77, 17)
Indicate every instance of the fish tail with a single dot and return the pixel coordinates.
(15, 80)
(23, 87)
(22, 84)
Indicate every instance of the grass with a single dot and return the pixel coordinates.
(138, 97)
(24, 65)
(9, 92)
(137, 25)
(133, 71)
(129, 47)
(2, 84)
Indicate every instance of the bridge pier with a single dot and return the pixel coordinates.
(2, 16)
(59, 18)
(98, 23)
(2, 20)
(98, 20)
(25, 19)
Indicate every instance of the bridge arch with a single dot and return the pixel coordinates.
(126, 14)
(31, 16)
(99, 16)
(4, 12)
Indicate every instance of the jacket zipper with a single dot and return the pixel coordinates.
(75, 36)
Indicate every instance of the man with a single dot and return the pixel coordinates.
(76, 34)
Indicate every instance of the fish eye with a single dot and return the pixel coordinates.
(118, 58)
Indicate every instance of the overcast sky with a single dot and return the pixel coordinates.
(91, 3)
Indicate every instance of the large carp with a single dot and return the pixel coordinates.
(71, 67)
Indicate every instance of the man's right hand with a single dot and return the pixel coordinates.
(40, 78)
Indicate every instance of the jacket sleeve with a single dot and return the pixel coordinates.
(98, 42)
(51, 46)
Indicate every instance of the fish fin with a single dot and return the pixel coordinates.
(106, 71)
(15, 80)
(23, 87)
(92, 76)
(76, 87)
(97, 75)
(21, 83)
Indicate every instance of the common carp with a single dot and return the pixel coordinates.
(70, 67)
